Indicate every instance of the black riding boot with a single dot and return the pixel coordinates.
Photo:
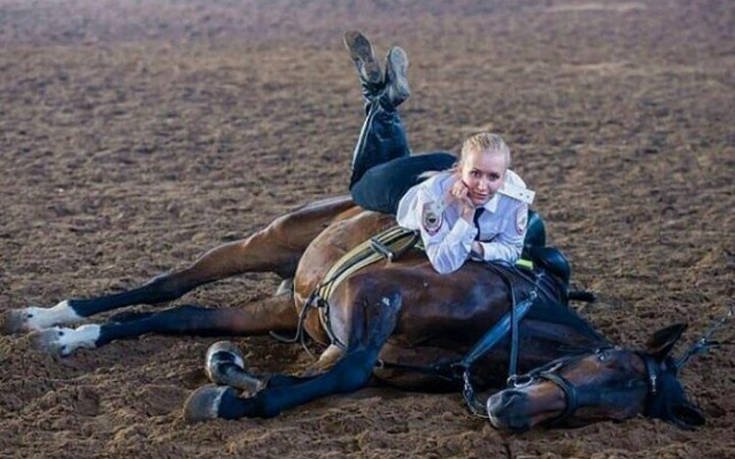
(383, 168)
(368, 68)
(389, 89)
(382, 139)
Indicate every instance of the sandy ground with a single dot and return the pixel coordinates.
(137, 134)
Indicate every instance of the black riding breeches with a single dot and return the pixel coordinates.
(383, 168)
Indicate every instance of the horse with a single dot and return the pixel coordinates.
(396, 321)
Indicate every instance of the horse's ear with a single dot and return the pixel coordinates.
(660, 344)
(687, 415)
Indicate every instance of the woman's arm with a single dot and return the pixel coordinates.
(447, 244)
(508, 245)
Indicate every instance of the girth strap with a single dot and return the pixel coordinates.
(394, 240)
(389, 244)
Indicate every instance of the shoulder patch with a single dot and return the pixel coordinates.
(521, 219)
(431, 220)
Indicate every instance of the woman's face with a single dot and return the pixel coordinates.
(483, 173)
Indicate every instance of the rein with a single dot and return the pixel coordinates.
(451, 371)
(704, 343)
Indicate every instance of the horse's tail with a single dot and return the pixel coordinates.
(582, 295)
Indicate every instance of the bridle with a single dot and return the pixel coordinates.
(658, 377)
(572, 393)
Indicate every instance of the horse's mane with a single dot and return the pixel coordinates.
(552, 304)
(556, 313)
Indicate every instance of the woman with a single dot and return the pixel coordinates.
(472, 208)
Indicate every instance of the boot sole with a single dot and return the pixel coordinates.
(396, 71)
(361, 51)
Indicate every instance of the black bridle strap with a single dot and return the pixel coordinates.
(501, 268)
(507, 323)
(513, 359)
(498, 331)
(652, 371)
(468, 393)
(570, 394)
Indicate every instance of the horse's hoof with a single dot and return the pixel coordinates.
(35, 318)
(225, 365)
(63, 341)
(219, 353)
(226, 347)
(14, 321)
(48, 341)
(204, 403)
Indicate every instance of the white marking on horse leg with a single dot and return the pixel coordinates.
(214, 406)
(210, 363)
(64, 341)
(329, 357)
(203, 403)
(36, 318)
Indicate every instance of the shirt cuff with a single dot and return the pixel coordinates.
(464, 231)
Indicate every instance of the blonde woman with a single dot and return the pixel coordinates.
(474, 207)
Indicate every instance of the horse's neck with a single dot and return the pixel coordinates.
(546, 341)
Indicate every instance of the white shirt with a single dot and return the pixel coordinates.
(448, 238)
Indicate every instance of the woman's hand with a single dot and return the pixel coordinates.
(460, 193)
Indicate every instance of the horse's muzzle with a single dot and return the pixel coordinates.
(507, 410)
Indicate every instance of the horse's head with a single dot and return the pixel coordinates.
(610, 383)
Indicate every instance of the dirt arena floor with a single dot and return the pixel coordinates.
(134, 135)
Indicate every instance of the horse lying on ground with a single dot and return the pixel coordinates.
(387, 322)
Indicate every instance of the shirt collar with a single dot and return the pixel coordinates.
(492, 204)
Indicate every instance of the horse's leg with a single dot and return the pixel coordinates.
(371, 323)
(257, 318)
(225, 364)
(276, 248)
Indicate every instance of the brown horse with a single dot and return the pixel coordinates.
(398, 322)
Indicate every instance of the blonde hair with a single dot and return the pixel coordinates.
(485, 142)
